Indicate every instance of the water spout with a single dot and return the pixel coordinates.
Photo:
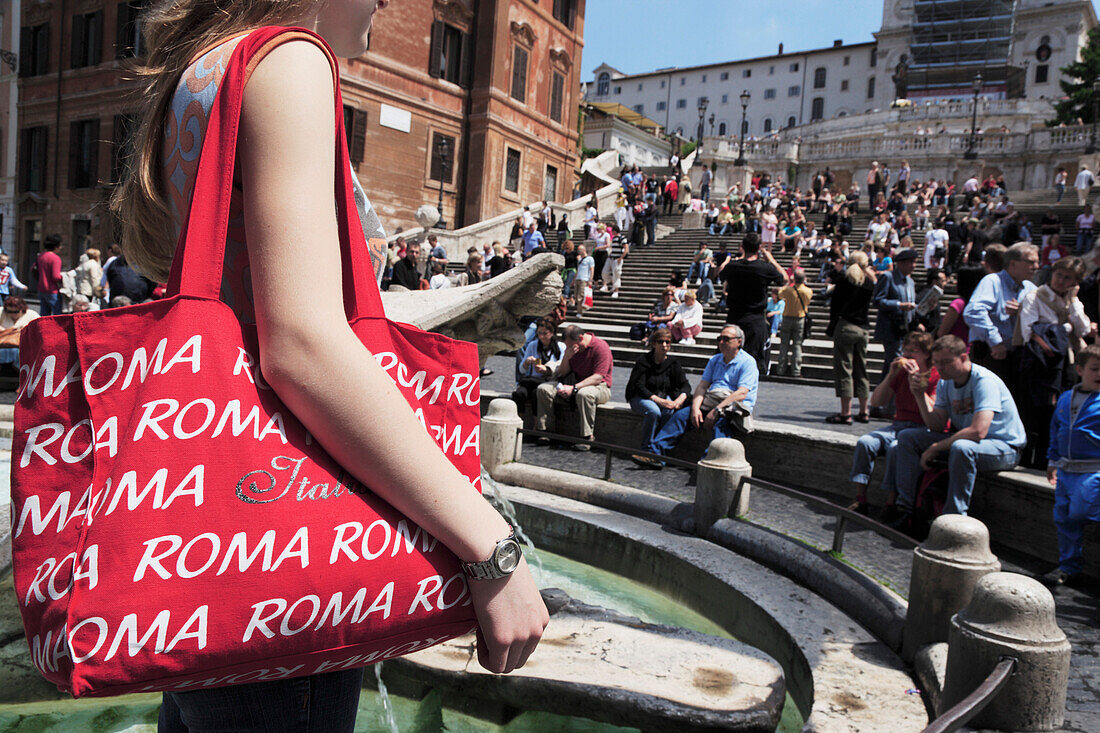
(508, 511)
(388, 717)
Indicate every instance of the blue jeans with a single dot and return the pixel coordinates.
(1084, 242)
(569, 274)
(726, 229)
(654, 418)
(677, 424)
(1076, 501)
(1061, 189)
(317, 704)
(705, 292)
(49, 304)
(964, 460)
(875, 444)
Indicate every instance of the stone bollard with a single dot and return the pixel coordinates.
(945, 570)
(716, 483)
(1010, 615)
(500, 437)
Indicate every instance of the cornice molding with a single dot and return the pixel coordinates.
(522, 33)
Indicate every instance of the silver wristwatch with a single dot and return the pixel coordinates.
(503, 561)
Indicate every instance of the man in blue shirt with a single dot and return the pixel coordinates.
(987, 431)
(895, 298)
(532, 239)
(994, 307)
(723, 401)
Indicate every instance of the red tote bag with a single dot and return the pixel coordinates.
(175, 526)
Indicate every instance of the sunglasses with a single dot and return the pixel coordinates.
(724, 339)
(666, 342)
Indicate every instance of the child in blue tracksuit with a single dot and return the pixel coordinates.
(1074, 464)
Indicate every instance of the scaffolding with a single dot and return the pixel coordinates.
(951, 40)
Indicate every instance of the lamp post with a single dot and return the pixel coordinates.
(740, 162)
(703, 102)
(1091, 147)
(443, 148)
(971, 153)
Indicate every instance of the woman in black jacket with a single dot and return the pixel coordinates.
(848, 325)
(657, 386)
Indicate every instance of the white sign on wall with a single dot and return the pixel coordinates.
(395, 118)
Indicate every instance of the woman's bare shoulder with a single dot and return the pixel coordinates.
(296, 71)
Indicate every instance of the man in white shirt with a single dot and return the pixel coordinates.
(935, 247)
(590, 219)
(1083, 184)
(971, 185)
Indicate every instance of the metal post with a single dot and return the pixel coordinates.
(971, 153)
(740, 162)
(442, 149)
(703, 102)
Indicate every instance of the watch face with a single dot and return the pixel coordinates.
(507, 556)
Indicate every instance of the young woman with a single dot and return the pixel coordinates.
(849, 322)
(310, 357)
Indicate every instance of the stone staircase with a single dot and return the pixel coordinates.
(647, 270)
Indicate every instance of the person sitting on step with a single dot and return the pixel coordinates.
(583, 379)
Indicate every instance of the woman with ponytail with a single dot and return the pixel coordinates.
(849, 321)
(282, 210)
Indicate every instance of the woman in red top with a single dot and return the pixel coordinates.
(915, 359)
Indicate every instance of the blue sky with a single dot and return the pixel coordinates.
(636, 36)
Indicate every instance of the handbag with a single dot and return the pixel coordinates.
(176, 527)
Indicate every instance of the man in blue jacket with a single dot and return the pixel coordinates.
(895, 298)
(992, 310)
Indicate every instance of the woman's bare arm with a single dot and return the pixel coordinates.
(317, 365)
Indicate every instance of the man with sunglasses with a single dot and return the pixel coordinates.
(723, 401)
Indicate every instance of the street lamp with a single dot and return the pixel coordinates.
(971, 153)
(740, 162)
(1091, 147)
(703, 102)
(442, 149)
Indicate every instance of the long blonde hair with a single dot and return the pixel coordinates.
(855, 272)
(174, 31)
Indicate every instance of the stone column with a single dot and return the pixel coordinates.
(716, 483)
(500, 437)
(1010, 615)
(945, 570)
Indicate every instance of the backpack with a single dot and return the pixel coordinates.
(639, 332)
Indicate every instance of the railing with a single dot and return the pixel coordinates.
(843, 514)
(975, 702)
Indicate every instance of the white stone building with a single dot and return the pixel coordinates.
(933, 47)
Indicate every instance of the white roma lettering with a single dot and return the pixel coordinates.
(267, 613)
(157, 411)
(193, 485)
(194, 628)
(42, 437)
(105, 371)
(369, 550)
(160, 549)
(48, 570)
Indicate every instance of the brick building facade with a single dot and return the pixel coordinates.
(497, 80)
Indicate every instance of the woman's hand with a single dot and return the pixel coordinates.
(511, 618)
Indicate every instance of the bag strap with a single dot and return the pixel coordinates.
(197, 266)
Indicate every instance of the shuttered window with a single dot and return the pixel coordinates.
(519, 73)
(451, 54)
(355, 130)
(557, 93)
(87, 39)
(32, 159)
(34, 50)
(511, 171)
(128, 29)
(83, 153)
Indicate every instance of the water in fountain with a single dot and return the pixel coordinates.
(388, 717)
(493, 493)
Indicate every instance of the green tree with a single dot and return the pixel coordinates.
(1080, 99)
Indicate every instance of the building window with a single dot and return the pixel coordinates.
(791, 121)
(32, 159)
(639, 108)
(519, 74)
(683, 80)
(847, 60)
(662, 83)
(871, 88)
(725, 99)
(603, 84)
(550, 184)
(819, 77)
(817, 108)
(355, 130)
(746, 73)
(794, 66)
(769, 94)
(557, 95)
(83, 153)
(34, 53)
(724, 76)
(704, 78)
(874, 56)
(721, 128)
(87, 39)
(794, 91)
(122, 145)
(1041, 72)
(435, 171)
(618, 90)
(128, 29)
(639, 87)
(681, 104)
(565, 11)
(699, 102)
(771, 70)
(843, 85)
(451, 54)
(767, 124)
(661, 106)
(511, 171)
